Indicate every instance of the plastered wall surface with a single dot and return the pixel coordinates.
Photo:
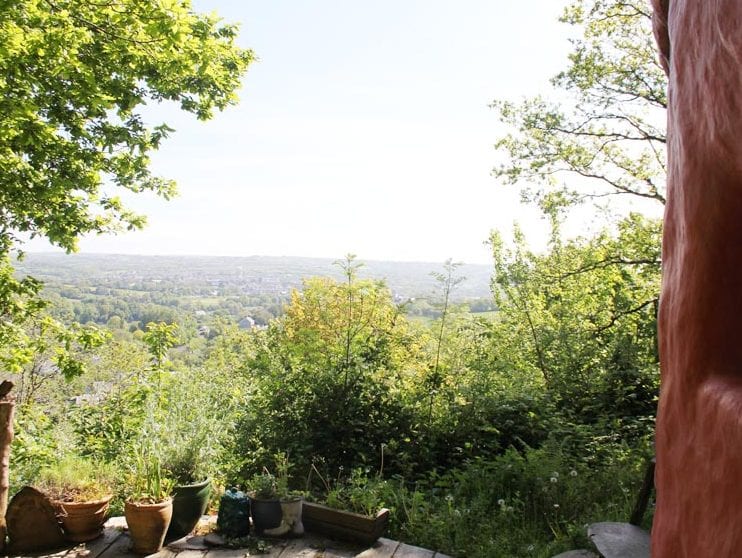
(699, 429)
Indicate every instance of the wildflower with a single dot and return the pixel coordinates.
(501, 502)
(555, 474)
(573, 473)
(509, 509)
(553, 479)
(530, 548)
(449, 498)
(556, 506)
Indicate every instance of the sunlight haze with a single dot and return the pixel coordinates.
(363, 127)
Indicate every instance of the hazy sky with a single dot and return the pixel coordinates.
(364, 127)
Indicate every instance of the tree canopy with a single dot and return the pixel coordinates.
(581, 318)
(75, 76)
(603, 134)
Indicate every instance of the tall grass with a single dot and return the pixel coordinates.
(531, 504)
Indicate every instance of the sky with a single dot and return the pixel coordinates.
(364, 128)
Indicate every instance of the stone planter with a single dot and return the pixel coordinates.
(344, 525)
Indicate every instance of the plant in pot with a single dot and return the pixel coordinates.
(352, 509)
(80, 493)
(265, 507)
(276, 511)
(149, 507)
(184, 464)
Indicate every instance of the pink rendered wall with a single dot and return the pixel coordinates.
(699, 429)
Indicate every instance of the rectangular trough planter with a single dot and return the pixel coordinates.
(344, 525)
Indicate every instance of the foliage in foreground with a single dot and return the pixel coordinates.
(531, 503)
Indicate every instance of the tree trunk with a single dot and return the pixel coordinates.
(7, 409)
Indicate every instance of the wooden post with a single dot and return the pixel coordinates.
(7, 409)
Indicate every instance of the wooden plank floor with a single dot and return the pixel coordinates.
(115, 543)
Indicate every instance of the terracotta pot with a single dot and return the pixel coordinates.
(189, 504)
(82, 521)
(148, 524)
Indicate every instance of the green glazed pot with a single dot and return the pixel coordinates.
(189, 504)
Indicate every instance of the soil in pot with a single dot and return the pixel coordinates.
(148, 524)
(189, 504)
(82, 521)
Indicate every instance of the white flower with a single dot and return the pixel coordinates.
(510, 508)
(501, 502)
(573, 473)
(555, 474)
(553, 479)
(556, 506)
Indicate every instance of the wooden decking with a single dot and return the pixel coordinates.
(115, 543)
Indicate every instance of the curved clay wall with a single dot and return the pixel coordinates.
(699, 430)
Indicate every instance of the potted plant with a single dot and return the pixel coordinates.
(80, 493)
(265, 507)
(276, 510)
(191, 491)
(149, 507)
(344, 525)
(362, 525)
(291, 501)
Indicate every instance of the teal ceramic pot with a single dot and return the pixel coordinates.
(234, 514)
(189, 504)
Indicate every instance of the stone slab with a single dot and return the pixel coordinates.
(619, 540)
(577, 554)
(383, 548)
(409, 551)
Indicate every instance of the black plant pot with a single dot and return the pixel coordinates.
(266, 514)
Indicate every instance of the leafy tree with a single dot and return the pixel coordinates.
(331, 377)
(584, 325)
(76, 75)
(583, 314)
(604, 134)
(35, 347)
(448, 281)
